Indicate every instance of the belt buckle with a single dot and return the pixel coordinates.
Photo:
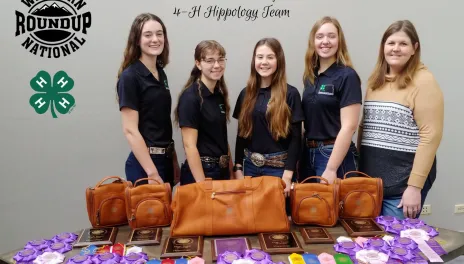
(156, 150)
(258, 159)
(224, 161)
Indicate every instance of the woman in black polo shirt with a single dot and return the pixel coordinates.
(269, 117)
(202, 114)
(145, 102)
(332, 100)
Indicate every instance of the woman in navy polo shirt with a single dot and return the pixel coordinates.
(332, 100)
(202, 114)
(269, 117)
(145, 102)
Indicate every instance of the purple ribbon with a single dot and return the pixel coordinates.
(131, 258)
(258, 256)
(401, 254)
(106, 258)
(377, 244)
(68, 238)
(387, 220)
(84, 259)
(412, 223)
(417, 260)
(26, 255)
(349, 248)
(405, 242)
(432, 232)
(38, 245)
(436, 247)
(228, 257)
(395, 228)
(59, 247)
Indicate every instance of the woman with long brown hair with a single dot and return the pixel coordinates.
(202, 114)
(145, 102)
(269, 117)
(402, 124)
(332, 100)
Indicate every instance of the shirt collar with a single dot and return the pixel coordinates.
(331, 70)
(142, 69)
(205, 92)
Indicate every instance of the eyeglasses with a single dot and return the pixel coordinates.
(211, 62)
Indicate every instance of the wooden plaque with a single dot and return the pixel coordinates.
(145, 236)
(177, 247)
(96, 236)
(280, 243)
(316, 235)
(361, 227)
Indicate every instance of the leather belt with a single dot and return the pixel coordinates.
(260, 160)
(168, 151)
(223, 160)
(315, 143)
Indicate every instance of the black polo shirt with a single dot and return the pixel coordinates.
(261, 140)
(208, 117)
(335, 88)
(138, 89)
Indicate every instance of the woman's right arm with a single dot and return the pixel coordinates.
(130, 120)
(189, 138)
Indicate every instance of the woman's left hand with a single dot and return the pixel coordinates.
(287, 177)
(411, 202)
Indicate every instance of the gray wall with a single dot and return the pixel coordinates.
(47, 163)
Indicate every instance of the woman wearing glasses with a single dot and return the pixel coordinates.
(202, 114)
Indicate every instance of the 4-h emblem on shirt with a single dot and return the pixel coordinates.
(166, 84)
(327, 89)
(52, 94)
(222, 108)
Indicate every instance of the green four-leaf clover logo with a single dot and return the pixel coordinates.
(52, 94)
(323, 88)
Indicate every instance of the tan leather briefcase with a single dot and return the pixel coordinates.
(230, 207)
(314, 203)
(360, 197)
(148, 205)
(106, 205)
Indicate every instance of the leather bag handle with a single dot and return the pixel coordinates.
(135, 183)
(316, 177)
(356, 172)
(107, 178)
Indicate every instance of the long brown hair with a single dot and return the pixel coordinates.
(201, 51)
(378, 76)
(278, 113)
(133, 52)
(312, 59)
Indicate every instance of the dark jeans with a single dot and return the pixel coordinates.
(211, 170)
(134, 170)
(317, 159)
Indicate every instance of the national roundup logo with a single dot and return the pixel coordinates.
(54, 28)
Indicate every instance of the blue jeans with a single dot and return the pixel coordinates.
(211, 170)
(134, 170)
(389, 204)
(317, 159)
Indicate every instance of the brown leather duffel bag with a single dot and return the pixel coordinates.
(360, 197)
(106, 205)
(148, 205)
(314, 203)
(230, 207)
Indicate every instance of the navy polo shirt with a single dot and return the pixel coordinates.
(207, 114)
(261, 138)
(333, 89)
(139, 90)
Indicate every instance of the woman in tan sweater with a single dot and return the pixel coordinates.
(402, 123)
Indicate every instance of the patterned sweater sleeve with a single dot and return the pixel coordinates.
(429, 116)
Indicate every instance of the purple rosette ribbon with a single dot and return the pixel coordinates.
(401, 254)
(228, 257)
(81, 259)
(67, 238)
(405, 242)
(26, 255)
(395, 228)
(387, 220)
(258, 256)
(106, 258)
(132, 258)
(38, 245)
(432, 232)
(59, 247)
(417, 260)
(349, 248)
(412, 223)
(377, 244)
